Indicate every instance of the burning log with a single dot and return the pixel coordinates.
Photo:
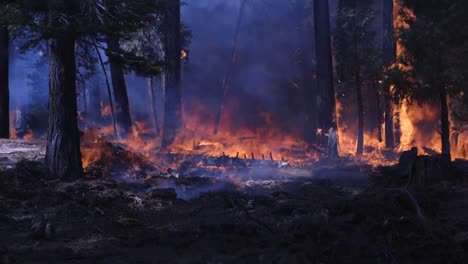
(430, 151)
(105, 158)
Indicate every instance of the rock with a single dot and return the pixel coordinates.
(164, 193)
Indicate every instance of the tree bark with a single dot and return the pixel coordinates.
(388, 120)
(307, 84)
(445, 122)
(380, 115)
(63, 156)
(154, 112)
(397, 125)
(359, 98)
(94, 100)
(360, 108)
(172, 73)
(325, 79)
(109, 93)
(4, 84)
(122, 106)
(389, 56)
(230, 69)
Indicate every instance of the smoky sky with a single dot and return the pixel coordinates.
(264, 77)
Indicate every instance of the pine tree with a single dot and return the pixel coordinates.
(356, 55)
(4, 84)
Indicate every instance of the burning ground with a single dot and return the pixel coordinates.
(229, 211)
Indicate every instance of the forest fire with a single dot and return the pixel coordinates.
(25, 134)
(197, 139)
(418, 126)
(236, 131)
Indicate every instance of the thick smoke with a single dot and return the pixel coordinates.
(264, 78)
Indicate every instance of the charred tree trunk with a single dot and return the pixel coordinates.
(325, 80)
(388, 120)
(397, 125)
(307, 86)
(445, 122)
(230, 69)
(94, 100)
(154, 112)
(359, 98)
(389, 56)
(4, 84)
(109, 93)
(172, 73)
(122, 107)
(63, 156)
(379, 112)
(360, 109)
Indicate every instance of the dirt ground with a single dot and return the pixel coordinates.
(12, 151)
(300, 220)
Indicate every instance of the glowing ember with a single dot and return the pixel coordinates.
(183, 54)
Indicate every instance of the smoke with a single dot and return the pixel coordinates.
(262, 79)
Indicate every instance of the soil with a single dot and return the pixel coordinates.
(321, 219)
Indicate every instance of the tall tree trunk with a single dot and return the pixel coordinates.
(108, 88)
(4, 84)
(63, 156)
(380, 115)
(389, 56)
(397, 125)
(360, 109)
(94, 100)
(445, 122)
(122, 106)
(153, 110)
(172, 73)
(388, 120)
(230, 69)
(325, 80)
(360, 103)
(308, 108)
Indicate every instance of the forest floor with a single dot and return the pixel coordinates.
(287, 220)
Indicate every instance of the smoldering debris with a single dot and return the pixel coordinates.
(101, 220)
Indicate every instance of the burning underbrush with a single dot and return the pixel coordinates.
(234, 155)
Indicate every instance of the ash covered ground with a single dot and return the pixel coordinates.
(329, 216)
